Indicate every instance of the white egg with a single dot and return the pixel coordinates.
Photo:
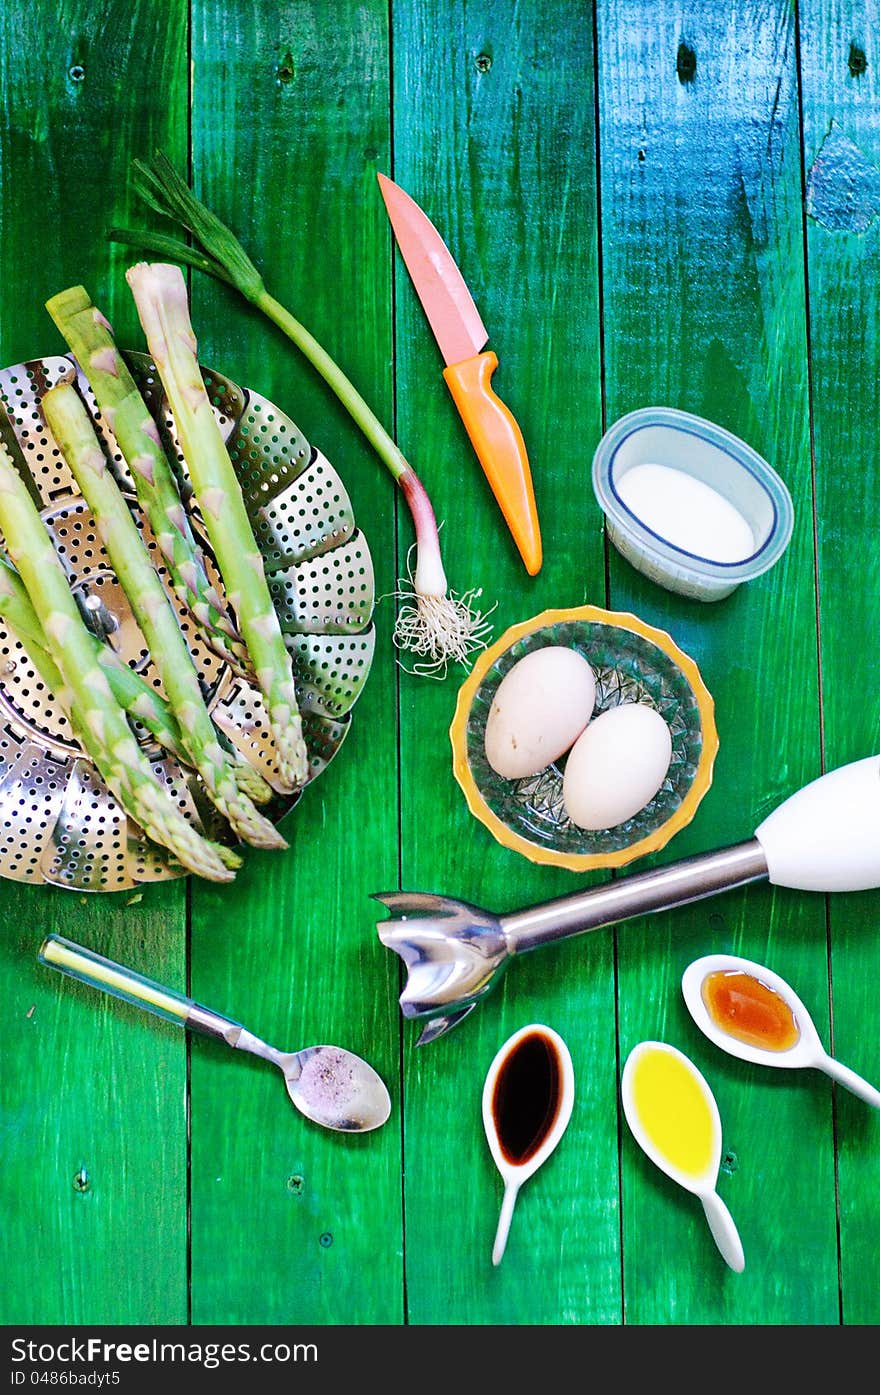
(617, 766)
(539, 710)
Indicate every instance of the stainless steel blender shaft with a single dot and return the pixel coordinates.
(660, 889)
(455, 952)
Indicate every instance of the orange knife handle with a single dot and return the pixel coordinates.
(501, 450)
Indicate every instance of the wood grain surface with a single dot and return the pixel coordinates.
(635, 194)
(94, 1174)
(840, 96)
(704, 310)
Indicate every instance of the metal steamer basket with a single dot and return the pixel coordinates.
(59, 824)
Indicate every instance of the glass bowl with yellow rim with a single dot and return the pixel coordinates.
(632, 662)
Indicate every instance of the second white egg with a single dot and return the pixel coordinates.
(617, 766)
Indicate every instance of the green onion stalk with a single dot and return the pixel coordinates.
(151, 606)
(433, 623)
(99, 722)
(160, 296)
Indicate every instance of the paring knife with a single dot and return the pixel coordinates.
(461, 335)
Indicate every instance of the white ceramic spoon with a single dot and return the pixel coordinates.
(806, 1051)
(528, 1097)
(680, 1107)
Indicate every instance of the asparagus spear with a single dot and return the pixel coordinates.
(20, 616)
(133, 693)
(91, 341)
(160, 296)
(72, 428)
(97, 718)
(137, 698)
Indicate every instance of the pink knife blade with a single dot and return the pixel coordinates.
(446, 300)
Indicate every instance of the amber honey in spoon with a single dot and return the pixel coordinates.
(747, 1008)
(527, 1102)
(750, 1012)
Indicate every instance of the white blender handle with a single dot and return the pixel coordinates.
(826, 837)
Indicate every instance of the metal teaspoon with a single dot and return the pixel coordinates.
(330, 1086)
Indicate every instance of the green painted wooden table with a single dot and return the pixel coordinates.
(628, 191)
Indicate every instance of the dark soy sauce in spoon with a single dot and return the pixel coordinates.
(525, 1102)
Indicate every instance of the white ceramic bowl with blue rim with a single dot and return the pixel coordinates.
(715, 458)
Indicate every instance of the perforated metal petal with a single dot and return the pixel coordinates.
(268, 451)
(32, 793)
(88, 846)
(310, 516)
(21, 390)
(58, 821)
(330, 594)
(331, 669)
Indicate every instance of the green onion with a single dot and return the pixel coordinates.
(433, 623)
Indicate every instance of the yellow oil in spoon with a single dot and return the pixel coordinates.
(673, 1112)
